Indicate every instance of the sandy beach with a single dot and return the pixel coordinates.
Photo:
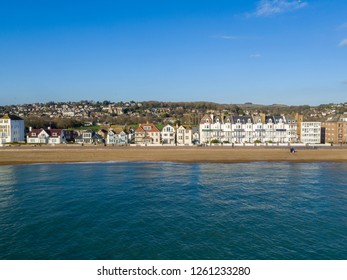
(60, 154)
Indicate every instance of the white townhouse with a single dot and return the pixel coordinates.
(211, 129)
(259, 131)
(168, 135)
(205, 129)
(269, 127)
(227, 131)
(184, 135)
(11, 129)
(311, 132)
(115, 137)
(242, 129)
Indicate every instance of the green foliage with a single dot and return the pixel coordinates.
(93, 128)
(215, 141)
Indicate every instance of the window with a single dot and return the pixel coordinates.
(33, 134)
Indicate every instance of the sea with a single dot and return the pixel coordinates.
(173, 211)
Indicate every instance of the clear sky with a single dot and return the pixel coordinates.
(225, 51)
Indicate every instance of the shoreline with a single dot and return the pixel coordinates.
(73, 154)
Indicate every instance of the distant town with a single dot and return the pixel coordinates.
(171, 123)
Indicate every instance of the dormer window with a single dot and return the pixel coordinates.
(238, 121)
(33, 134)
(207, 120)
(147, 127)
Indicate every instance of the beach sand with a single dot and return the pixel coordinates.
(65, 153)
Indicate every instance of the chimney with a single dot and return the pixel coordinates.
(30, 128)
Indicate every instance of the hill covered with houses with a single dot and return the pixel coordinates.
(89, 113)
(153, 122)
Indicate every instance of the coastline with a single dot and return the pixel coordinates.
(65, 154)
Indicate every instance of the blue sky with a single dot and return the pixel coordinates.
(225, 51)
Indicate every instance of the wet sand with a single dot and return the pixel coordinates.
(60, 154)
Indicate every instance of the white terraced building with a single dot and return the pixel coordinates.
(247, 129)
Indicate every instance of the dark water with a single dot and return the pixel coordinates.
(174, 211)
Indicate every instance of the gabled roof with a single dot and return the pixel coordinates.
(269, 119)
(139, 130)
(290, 119)
(257, 119)
(278, 118)
(242, 119)
(186, 127)
(34, 133)
(148, 127)
(57, 131)
(195, 130)
(11, 117)
(206, 117)
(118, 130)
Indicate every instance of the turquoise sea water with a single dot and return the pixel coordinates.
(174, 211)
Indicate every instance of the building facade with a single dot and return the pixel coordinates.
(184, 135)
(248, 129)
(334, 131)
(48, 136)
(119, 137)
(147, 134)
(310, 132)
(168, 135)
(11, 129)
